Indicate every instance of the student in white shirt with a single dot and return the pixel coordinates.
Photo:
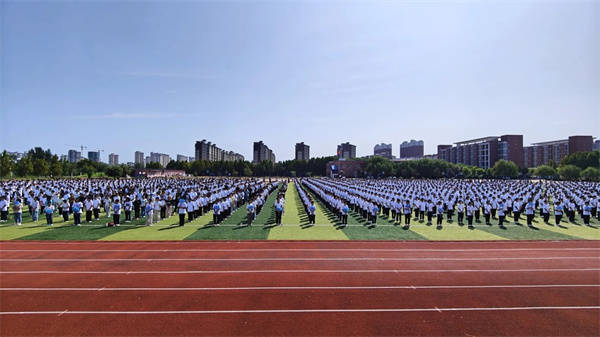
(181, 209)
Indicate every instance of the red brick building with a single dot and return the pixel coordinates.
(543, 153)
(346, 168)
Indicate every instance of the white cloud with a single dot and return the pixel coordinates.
(130, 116)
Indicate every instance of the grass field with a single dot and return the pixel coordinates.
(295, 227)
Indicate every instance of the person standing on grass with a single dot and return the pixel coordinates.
(374, 212)
(587, 211)
(182, 208)
(77, 211)
(278, 211)
(470, 211)
(530, 212)
(216, 212)
(117, 212)
(190, 210)
(127, 206)
(545, 208)
(89, 207)
(517, 210)
(18, 211)
(440, 214)
(96, 207)
(156, 206)
(250, 209)
(107, 205)
(450, 209)
(137, 206)
(163, 207)
(461, 212)
(430, 210)
(345, 210)
(558, 212)
(407, 212)
(487, 209)
(501, 213)
(311, 212)
(49, 211)
(65, 208)
(148, 211)
(35, 208)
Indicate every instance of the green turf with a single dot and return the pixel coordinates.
(167, 229)
(234, 227)
(301, 230)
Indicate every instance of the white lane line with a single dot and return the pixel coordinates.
(275, 271)
(303, 259)
(316, 288)
(270, 311)
(308, 250)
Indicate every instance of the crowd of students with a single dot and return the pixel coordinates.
(152, 199)
(503, 200)
(470, 201)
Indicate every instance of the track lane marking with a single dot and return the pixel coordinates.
(297, 271)
(412, 287)
(309, 250)
(301, 259)
(269, 311)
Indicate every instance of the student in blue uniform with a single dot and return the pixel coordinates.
(530, 212)
(278, 212)
(407, 210)
(117, 212)
(345, 210)
(587, 211)
(250, 211)
(77, 211)
(558, 212)
(49, 211)
(216, 212)
(311, 212)
(181, 209)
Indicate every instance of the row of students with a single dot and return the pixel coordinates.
(367, 202)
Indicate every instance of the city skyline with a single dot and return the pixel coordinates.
(293, 72)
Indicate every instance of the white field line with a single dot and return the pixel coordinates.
(411, 287)
(307, 250)
(271, 311)
(273, 242)
(299, 271)
(299, 259)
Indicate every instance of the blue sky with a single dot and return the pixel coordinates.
(157, 76)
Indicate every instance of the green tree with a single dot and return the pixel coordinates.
(40, 167)
(591, 173)
(7, 164)
(570, 172)
(379, 167)
(24, 167)
(114, 171)
(545, 171)
(154, 165)
(56, 169)
(582, 159)
(505, 169)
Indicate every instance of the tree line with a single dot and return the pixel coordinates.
(42, 163)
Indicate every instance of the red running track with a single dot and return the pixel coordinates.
(299, 288)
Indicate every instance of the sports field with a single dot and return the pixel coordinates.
(295, 227)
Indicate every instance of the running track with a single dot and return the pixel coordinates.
(299, 288)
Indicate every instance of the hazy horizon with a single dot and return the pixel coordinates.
(159, 76)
